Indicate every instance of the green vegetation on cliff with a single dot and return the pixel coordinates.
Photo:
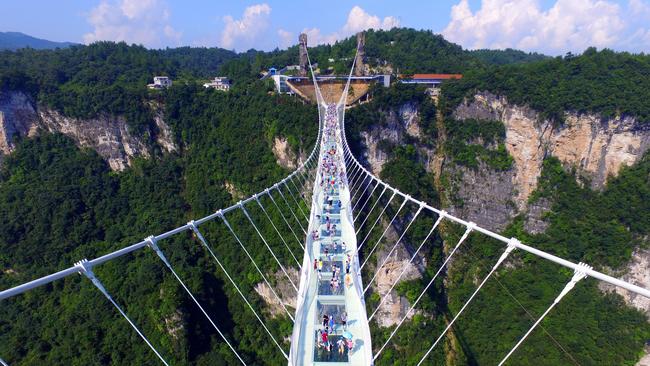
(59, 204)
(605, 82)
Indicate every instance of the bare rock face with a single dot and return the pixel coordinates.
(596, 148)
(17, 118)
(283, 288)
(485, 197)
(165, 138)
(396, 127)
(108, 135)
(645, 360)
(408, 113)
(283, 154)
(374, 155)
(395, 307)
(534, 219)
(637, 272)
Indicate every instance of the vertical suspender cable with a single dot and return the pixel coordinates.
(267, 246)
(206, 246)
(223, 218)
(426, 288)
(277, 188)
(392, 250)
(376, 221)
(371, 209)
(277, 231)
(405, 267)
(577, 276)
(152, 244)
(384, 233)
(268, 193)
(86, 269)
(505, 254)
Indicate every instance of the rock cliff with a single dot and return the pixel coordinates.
(637, 272)
(283, 288)
(108, 135)
(597, 148)
(395, 306)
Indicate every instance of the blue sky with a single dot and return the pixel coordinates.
(549, 26)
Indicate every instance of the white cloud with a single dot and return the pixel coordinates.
(358, 20)
(241, 33)
(569, 25)
(133, 21)
(286, 38)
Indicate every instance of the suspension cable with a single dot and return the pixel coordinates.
(356, 204)
(371, 209)
(206, 246)
(451, 254)
(225, 221)
(152, 244)
(268, 193)
(84, 267)
(278, 232)
(267, 246)
(375, 223)
(383, 233)
(357, 185)
(277, 188)
(577, 276)
(509, 293)
(295, 200)
(392, 250)
(362, 192)
(405, 267)
(505, 254)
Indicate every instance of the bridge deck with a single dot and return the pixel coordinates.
(319, 297)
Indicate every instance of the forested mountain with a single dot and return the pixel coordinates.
(16, 40)
(60, 203)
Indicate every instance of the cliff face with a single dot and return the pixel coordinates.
(397, 127)
(596, 148)
(108, 135)
(637, 272)
(395, 307)
(17, 116)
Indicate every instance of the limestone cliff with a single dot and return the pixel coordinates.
(395, 307)
(284, 156)
(106, 134)
(283, 288)
(637, 272)
(595, 147)
(397, 127)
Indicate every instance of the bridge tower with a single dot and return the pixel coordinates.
(359, 66)
(302, 40)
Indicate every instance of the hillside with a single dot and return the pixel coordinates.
(575, 185)
(94, 161)
(15, 40)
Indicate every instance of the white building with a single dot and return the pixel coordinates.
(160, 82)
(219, 83)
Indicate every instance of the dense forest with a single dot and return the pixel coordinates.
(60, 203)
(609, 83)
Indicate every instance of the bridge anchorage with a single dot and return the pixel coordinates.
(331, 324)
